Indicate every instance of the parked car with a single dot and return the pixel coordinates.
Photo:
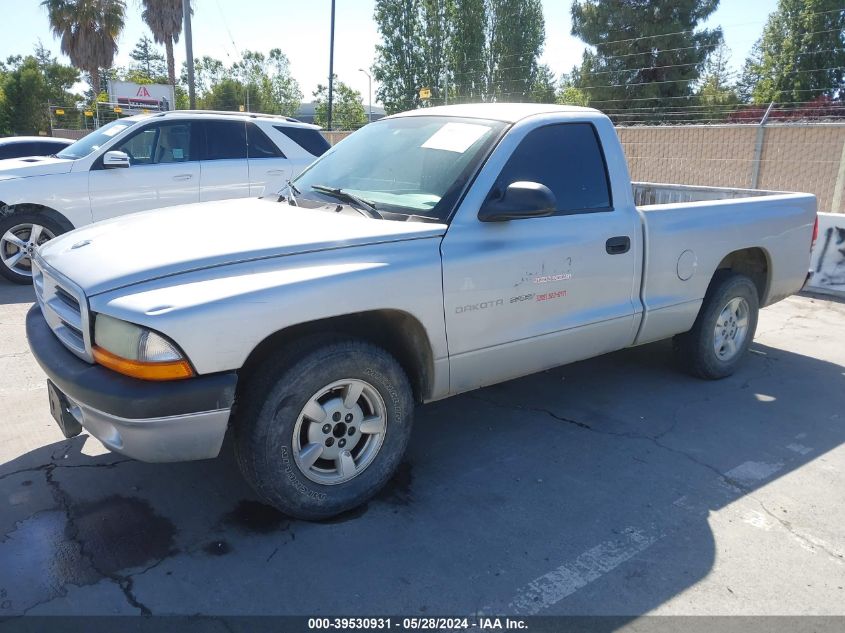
(23, 146)
(428, 254)
(144, 162)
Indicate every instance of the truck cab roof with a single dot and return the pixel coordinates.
(507, 112)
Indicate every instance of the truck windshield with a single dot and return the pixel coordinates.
(413, 166)
(95, 139)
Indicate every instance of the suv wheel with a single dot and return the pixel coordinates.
(20, 234)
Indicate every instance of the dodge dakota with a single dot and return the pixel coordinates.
(428, 254)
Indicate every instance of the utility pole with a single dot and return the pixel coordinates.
(189, 52)
(331, 72)
(369, 93)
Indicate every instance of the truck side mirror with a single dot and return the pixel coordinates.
(115, 159)
(521, 200)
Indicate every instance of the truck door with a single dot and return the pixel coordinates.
(525, 295)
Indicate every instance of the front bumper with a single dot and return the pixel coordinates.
(173, 421)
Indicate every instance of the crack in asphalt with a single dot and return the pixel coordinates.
(786, 525)
(125, 582)
(654, 439)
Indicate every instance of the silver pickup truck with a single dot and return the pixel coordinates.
(430, 253)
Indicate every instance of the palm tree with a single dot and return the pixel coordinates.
(88, 30)
(164, 17)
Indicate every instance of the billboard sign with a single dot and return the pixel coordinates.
(136, 98)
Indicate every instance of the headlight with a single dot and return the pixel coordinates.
(136, 351)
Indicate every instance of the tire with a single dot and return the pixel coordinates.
(15, 233)
(275, 439)
(712, 352)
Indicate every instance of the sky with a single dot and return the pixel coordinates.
(222, 28)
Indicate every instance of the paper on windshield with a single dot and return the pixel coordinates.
(115, 130)
(456, 137)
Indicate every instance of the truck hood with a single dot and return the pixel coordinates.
(33, 166)
(152, 244)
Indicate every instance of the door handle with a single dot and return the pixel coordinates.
(183, 177)
(618, 245)
(276, 172)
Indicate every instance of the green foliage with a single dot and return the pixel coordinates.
(264, 83)
(164, 17)
(801, 55)
(399, 57)
(148, 64)
(29, 86)
(544, 86)
(347, 107)
(515, 36)
(642, 54)
(568, 94)
(88, 30)
(467, 62)
(491, 47)
(717, 95)
(25, 99)
(228, 94)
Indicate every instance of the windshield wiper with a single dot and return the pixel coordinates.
(292, 193)
(340, 194)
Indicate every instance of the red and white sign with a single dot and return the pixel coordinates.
(135, 98)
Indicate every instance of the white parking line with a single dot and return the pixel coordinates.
(589, 566)
(752, 472)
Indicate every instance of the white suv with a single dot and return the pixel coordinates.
(146, 162)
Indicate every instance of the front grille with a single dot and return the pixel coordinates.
(64, 308)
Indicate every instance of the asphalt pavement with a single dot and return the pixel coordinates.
(614, 486)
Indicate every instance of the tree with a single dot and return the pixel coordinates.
(467, 61)
(568, 94)
(284, 93)
(491, 46)
(25, 99)
(207, 73)
(800, 55)
(88, 30)
(398, 59)
(717, 96)
(58, 78)
(515, 36)
(164, 17)
(644, 55)
(347, 108)
(228, 94)
(149, 63)
(544, 86)
(436, 25)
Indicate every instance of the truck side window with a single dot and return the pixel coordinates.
(568, 159)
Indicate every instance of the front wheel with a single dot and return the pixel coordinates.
(723, 330)
(20, 235)
(322, 429)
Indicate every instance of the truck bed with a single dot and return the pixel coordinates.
(652, 193)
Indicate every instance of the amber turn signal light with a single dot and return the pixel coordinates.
(173, 370)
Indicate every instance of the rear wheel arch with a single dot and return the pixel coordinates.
(396, 331)
(754, 263)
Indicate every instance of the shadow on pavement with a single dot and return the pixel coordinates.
(584, 490)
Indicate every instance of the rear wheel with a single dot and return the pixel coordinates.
(724, 328)
(20, 235)
(322, 429)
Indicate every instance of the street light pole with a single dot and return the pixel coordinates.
(369, 94)
(331, 72)
(189, 52)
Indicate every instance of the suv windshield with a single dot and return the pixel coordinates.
(95, 139)
(415, 165)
